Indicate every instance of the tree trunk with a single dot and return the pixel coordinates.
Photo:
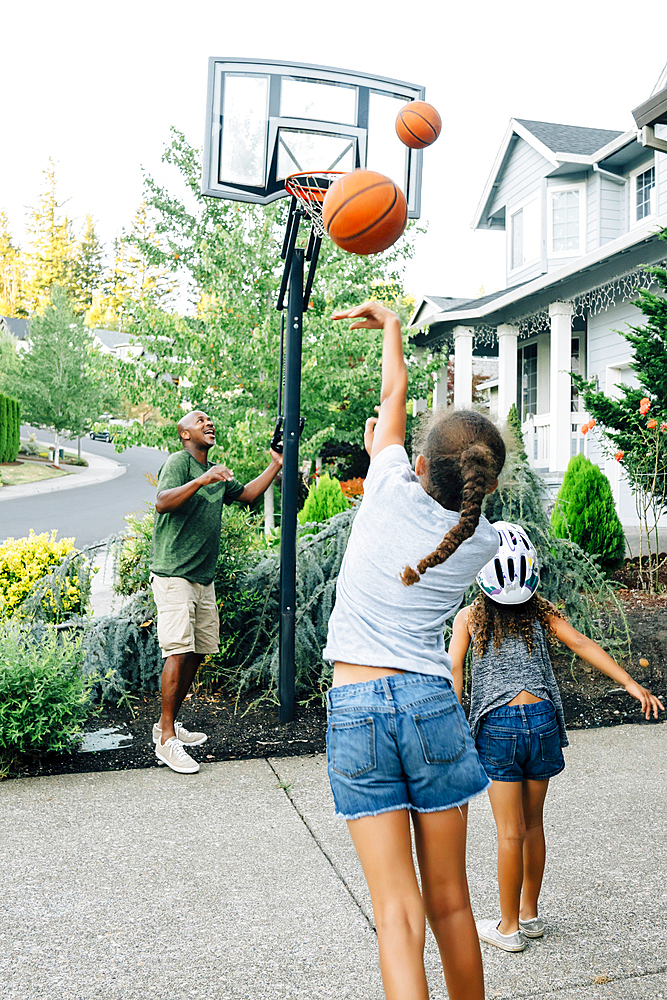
(56, 449)
(78, 448)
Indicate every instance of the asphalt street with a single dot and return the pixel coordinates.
(91, 513)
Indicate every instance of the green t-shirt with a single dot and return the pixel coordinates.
(186, 542)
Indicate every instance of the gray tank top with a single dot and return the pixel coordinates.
(501, 674)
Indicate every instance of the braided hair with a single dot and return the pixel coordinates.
(464, 453)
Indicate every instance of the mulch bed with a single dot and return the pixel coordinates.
(590, 699)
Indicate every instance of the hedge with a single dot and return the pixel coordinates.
(10, 428)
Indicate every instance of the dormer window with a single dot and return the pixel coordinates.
(644, 188)
(566, 220)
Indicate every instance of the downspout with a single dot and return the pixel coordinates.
(608, 174)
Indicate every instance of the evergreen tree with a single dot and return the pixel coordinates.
(514, 425)
(325, 498)
(9, 361)
(12, 274)
(61, 382)
(585, 512)
(88, 267)
(53, 250)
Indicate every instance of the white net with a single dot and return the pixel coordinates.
(309, 189)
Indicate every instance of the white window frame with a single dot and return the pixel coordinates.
(558, 189)
(510, 213)
(633, 175)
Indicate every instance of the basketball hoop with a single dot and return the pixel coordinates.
(309, 189)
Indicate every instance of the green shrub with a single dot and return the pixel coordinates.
(43, 578)
(44, 699)
(132, 552)
(319, 557)
(325, 499)
(585, 513)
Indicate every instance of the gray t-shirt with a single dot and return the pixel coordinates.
(499, 676)
(376, 620)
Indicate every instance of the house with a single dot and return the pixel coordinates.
(18, 329)
(581, 209)
(120, 345)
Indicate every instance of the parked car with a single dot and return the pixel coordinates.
(100, 435)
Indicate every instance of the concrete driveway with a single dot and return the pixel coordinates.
(237, 882)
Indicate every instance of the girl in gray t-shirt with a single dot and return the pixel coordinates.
(517, 719)
(399, 750)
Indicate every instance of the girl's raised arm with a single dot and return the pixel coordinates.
(458, 647)
(390, 428)
(596, 656)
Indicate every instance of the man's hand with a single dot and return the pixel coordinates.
(215, 475)
(276, 457)
(369, 316)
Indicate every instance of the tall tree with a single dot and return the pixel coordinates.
(61, 382)
(88, 266)
(225, 358)
(53, 249)
(12, 273)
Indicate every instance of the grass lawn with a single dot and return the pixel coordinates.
(29, 472)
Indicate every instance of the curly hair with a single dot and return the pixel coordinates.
(486, 618)
(464, 453)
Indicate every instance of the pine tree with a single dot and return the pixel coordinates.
(514, 425)
(12, 274)
(325, 498)
(585, 512)
(53, 249)
(88, 267)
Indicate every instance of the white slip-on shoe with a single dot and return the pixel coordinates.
(187, 738)
(487, 930)
(533, 928)
(174, 756)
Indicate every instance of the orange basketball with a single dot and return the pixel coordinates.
(364, 212)
(418, 124)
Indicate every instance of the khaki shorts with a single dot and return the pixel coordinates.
(187, 616)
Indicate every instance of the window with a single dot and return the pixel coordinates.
(524, 235)
(527, 371)
(644, 187)
(567, 220)
(578, 366)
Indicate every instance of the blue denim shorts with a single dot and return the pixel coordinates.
(400, 742)
(520, 741)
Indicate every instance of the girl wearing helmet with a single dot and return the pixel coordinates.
(516, 718)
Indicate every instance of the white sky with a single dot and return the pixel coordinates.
(97, 88)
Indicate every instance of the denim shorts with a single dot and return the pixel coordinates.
(400, 742)
(520, 741)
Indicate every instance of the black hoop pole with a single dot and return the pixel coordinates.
(282, 359)
(293, 339)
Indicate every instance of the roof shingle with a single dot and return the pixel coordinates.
(569, 138)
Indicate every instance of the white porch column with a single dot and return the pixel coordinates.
(507, 339)
(463, 337)
(440, 387)
(560, 432)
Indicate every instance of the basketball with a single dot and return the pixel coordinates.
(418, 124)
(364, 212)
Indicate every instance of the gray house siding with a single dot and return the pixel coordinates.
(661, 172)
(611, 202)
(592, 212)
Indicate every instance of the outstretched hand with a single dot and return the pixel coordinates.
(649, 702)
(369, 431)
(369, 316)
(216, 474)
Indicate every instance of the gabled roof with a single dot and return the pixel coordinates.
(113, 339)
(569, 138)
(18, 328)
(558, 144)
(422, 317)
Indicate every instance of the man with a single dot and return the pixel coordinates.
(184, 553)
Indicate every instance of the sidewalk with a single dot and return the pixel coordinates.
(99, 471)
(237, 882)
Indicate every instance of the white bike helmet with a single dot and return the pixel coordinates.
(513, 575)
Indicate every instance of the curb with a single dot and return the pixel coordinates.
(99, 471)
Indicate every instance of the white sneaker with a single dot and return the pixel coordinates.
(174, 756)
(533, 928)
(487, 930)
(187, 739)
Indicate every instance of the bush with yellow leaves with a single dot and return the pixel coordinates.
(43, 578)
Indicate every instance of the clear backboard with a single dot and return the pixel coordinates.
(267, 120)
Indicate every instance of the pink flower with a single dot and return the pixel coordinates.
(651, 424)
(618, 456)
(663, 428)
(644, 405)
